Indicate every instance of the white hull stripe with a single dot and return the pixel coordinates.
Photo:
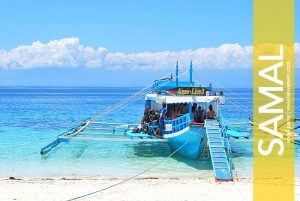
(177, 133)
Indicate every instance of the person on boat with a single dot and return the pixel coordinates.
(194, 112)
(154, 117)
(178, 112)
(185, 108)
(162, 117)
(200, 115)
(175, 112)
(173, 116)
(146, 116)
(145, 128)
(210, 113)
(151, 115)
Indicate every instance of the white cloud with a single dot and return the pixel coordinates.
(68, 52)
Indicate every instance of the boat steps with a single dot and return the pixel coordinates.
(214, 135)
(226, 168)
(219, 158)
(216, 142)
(217, 146)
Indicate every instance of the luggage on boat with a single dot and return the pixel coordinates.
(136, 130)
(143, 129)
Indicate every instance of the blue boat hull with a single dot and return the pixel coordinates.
(195, 138)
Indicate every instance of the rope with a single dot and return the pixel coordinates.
(231, 92)
(296, 127)
(129, 100)
(130, 178)
(209, 80)
(147, 88)
(113, 107)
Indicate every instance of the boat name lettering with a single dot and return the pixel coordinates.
(199, 91)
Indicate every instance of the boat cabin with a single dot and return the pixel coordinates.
(182, 100)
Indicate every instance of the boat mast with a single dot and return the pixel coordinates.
(191, 73)
(177, 74)
(191, 85)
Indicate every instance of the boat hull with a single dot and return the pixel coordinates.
(190, 141)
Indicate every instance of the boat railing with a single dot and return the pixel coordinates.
(225, 138)
(178, 124)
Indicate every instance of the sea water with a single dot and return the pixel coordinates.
(32, 117)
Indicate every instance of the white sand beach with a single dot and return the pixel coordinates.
(173, 189)
(135, 190)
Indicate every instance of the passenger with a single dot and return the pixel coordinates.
(161, 121)
(194, 112)
(173, 115)
(194, 107)
(153, 118)
(145, 118)
(145, 129)
(210, 113)
(169, 111)
(185, 108)
(157, 115)
(178, 112)
(200, 115)
(151, 115)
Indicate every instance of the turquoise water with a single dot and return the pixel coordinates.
(32, 117)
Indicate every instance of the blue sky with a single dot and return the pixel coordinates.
(126, 27)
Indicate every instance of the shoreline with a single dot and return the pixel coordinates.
(144, 188)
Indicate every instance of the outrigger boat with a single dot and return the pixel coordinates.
(192, 139)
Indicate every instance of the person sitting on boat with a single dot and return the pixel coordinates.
(194, 112)
(161, 121)
(200, 115)
(210, 113)
(175, 112)
(145, 118)
(185, 108)
(145, 128)
(178, 111)
(154, 116)
(151, 115)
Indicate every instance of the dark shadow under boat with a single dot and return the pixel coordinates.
(163, 150)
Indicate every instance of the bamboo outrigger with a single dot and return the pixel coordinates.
(84, 132)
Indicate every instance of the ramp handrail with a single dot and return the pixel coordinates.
(225, 139)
